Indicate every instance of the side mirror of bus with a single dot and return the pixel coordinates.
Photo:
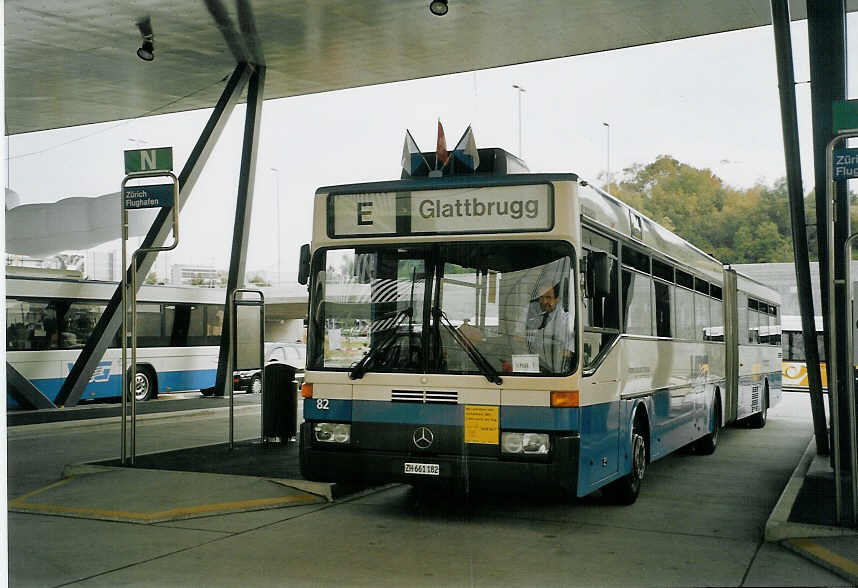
(598, 274)
(304, 265)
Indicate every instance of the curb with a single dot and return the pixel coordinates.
(834, 562)
(18, 431)
(778, 526)
(325, 490)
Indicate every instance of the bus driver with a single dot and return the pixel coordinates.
(548, 331)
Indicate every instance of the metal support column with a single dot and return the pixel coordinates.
(826, 25)
(111, 319)
(241, 229)
(789, 124)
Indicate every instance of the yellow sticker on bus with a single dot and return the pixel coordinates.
(481, 424)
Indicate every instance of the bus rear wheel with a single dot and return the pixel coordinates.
(706, 445)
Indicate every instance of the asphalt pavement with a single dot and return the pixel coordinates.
(175, 505)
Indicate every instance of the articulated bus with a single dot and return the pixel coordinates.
(48, 321)
(794, 357)
(496, 326)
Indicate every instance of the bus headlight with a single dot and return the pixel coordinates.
(332, 432)
(525, 443)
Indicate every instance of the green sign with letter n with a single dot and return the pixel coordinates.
(141, 160)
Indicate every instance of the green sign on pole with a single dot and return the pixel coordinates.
(845, 115)
(158, 159)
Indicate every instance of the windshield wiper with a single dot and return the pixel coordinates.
(478, 358)
(381, 343)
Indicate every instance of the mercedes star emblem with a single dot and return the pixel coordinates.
(422, 437)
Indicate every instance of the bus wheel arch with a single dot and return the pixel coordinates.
(626, 490)
(706, 445)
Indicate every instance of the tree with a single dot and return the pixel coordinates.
(151, 278)
(735, 226)
(259, 280)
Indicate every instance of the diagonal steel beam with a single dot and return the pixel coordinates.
(241, 229)
(789, 125)
(231, 37)
(247, 24)
(23, 391)
(111, 319)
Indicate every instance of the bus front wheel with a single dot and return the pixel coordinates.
(143, 384)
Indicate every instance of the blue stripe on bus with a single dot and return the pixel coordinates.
(169, 381)
(369, 411)
(541, 418)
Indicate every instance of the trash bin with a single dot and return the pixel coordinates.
(279, 403)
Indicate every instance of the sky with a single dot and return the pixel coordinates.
(711, 102)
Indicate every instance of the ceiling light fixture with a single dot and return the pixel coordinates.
(438, 7)
(146, 52)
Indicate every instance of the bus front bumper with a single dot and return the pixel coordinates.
(323, 462)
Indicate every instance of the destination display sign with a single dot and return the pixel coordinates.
(152, 196)
(457, 210)
(845, 164)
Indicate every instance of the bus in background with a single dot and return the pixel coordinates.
(523, 328)
(794, 357)
(48, 321)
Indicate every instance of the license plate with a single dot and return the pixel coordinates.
(426, 469)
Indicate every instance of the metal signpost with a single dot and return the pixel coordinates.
(238, 361)
(141, 164)
(841, 164)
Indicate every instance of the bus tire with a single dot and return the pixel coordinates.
(758, 420)
(706, 445)
(625, 491)
(144, 384)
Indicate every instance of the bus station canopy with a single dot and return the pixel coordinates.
(74, 63)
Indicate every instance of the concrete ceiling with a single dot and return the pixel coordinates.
(73, 62)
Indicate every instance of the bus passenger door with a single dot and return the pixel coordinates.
(602, 431)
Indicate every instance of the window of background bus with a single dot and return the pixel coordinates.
(183, 324)
(214, 323)
(149, 325)
(78, 322)
(30, 325)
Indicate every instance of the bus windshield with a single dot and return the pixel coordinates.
(466, 308)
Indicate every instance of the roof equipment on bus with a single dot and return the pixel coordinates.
(464, 160)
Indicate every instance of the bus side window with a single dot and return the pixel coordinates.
(31, 325)
(599, 299)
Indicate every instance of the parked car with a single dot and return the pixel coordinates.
(293, 354)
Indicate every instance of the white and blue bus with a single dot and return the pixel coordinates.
(496, 327)
(48, 321)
